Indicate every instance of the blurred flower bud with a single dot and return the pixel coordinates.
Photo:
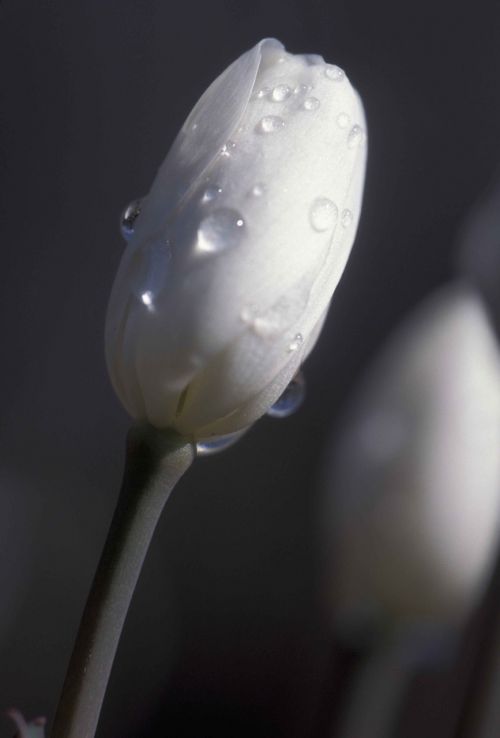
(235, 253)
(414, 484)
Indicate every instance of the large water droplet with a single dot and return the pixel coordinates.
(221, 230)
(270, 124)
(297, 341)
(128, 218)
(323, 214)
(215, 445)
(342, 120)
(280, 93)
(356, 137)
(211, 193)
(334, 72)
(346, 218)
(290, 400)
(311, 103)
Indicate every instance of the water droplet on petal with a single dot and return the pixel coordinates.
(311, 103)
(270, 124)
(314, 59)
(211, 193)
(302, 89)
(290, 400)
(151, 272)
(258, 189)
(346, 218)
(297, 341)
(356, 137)
(280, 93)
(323, 214)
(342, 120)
(212, 446)
(228, 148)
(263, 92)
(335, 73)
(221, 230)
(128, 218)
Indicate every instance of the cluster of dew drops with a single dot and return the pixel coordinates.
(223, 228)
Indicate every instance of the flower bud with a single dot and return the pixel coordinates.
(237, 249)
(414, 484)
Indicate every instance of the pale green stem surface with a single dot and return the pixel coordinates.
(155, 462)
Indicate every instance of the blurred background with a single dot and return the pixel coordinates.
(229, 632)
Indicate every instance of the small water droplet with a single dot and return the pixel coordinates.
(128, 218)
(263, 92)
(223, 229)
(297, 341)
(302, 89)
(335, 73)
(311, 103)
(290, 400)
(346, 218)
(258, 189)
(323, 214)
(151, 271)
(211, 193)
(212, 446)
(314, 59)
(147, 298)
(356, 137)
(194, 126)
(342, 120)
(270, 124)
(228, 148)
(280, 93)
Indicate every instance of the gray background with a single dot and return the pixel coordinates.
(227, 634)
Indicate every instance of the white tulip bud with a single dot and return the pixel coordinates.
(414, 485)
(237, 249)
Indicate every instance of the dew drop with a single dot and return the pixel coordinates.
(290, 400)
(335, 73)
(211, 193)
(346, 218)
(311, 103)
(212, 446)
(323, 214)
(263, 92)
(221, 230)
(228, 148)
(128, 218)
(342, 120)
(270, 124)
(302, 89)
(194, 126)
(151, 271)
(298, 339)
(258, 189)
(280, 93)
(356, 137)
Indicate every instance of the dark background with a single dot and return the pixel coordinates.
(227, 634)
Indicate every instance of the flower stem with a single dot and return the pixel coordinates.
(378, 692)
(155, 461)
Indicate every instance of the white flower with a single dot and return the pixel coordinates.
(414, 485)
(237, 249)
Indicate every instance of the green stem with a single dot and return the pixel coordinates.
(155, 461)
